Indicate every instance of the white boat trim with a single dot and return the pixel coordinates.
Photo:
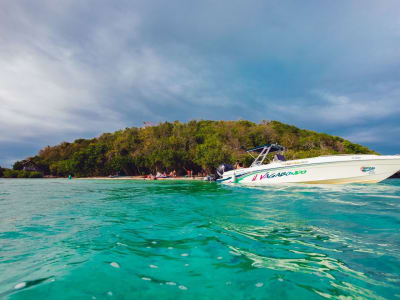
(334, 169)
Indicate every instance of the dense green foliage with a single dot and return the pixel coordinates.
(196, 145)
(8, 173)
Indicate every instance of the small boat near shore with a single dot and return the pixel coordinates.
(332, 169)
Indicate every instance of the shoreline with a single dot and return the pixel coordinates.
(139, 178)
(116, 178)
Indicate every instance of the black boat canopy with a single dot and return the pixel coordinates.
(274, 148)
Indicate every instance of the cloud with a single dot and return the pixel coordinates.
(75, 69)
(343, 110)
(366, 117)
(382, 137)
(39, 96)
(45, 89)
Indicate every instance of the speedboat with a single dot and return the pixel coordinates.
(331, 169)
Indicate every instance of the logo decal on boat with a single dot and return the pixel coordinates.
(367, 169)
(278, 174)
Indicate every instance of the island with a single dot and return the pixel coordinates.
(189, 149)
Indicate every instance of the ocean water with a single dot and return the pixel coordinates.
(103, 239)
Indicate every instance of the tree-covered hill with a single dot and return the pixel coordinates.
(196, 145)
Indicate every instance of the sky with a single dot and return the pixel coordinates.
(75, 69)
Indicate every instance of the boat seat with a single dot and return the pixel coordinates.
(279, 157)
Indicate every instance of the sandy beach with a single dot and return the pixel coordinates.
(142, 178)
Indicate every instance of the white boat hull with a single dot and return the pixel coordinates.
(318, 170)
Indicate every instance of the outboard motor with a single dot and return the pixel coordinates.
(210, 178)
(222, 168)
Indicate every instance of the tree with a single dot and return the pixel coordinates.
(195, 145)
(19, 165)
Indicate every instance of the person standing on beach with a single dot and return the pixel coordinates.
(237, 165)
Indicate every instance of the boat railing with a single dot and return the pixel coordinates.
(263, 152)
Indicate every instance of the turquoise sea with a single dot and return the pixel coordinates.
(109, 239)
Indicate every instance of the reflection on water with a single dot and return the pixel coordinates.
(124, 239)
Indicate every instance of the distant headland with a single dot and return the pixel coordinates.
(196, 147)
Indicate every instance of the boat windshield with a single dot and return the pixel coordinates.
(274, 148)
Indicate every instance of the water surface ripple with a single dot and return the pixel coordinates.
(103, 239)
